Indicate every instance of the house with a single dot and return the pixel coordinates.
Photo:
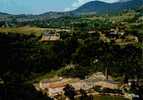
(82, 84)
(99, 76)
(115, 32)
(53, 88)
(107, 84)
(50, 37)
(99, 79)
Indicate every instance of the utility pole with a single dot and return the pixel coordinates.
(106, 73)
(142, 55)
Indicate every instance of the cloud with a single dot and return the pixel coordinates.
(78, 3)
(67, 9)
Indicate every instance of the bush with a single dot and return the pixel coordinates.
(97, 88)
(77, 71)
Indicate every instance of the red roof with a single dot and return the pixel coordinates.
(56, 85)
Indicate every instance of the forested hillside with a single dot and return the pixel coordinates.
(110, 43)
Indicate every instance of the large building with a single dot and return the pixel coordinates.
(50, 37)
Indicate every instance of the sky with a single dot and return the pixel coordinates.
(41, 6)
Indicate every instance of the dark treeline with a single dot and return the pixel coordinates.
(21, 57)
(21, 92)
(25, 54)
(119, 59)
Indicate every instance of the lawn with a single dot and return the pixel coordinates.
(108, 98)
(27, 30)
(24, 30)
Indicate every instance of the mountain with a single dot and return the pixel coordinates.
(4, 14)
(97, 7)
(55, 14)
(93, 7)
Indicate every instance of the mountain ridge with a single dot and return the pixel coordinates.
(99, 7)
(4, 14)
(93, 7)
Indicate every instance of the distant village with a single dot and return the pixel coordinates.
(114, 35)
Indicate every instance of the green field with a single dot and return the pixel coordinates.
(108, 98)
(27, 30)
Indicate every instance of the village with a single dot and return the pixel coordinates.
(71, 50)
(94, 85)
(115, 35)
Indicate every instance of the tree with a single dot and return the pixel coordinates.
(21, 57)
(84, 95)
(69, 92)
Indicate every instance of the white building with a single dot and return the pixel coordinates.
(52, 88)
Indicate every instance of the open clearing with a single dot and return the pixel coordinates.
(29, 30)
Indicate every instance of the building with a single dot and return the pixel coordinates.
(50, 37)
(82, 84)
(52, 88)
(55, 88)
(107, 84)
